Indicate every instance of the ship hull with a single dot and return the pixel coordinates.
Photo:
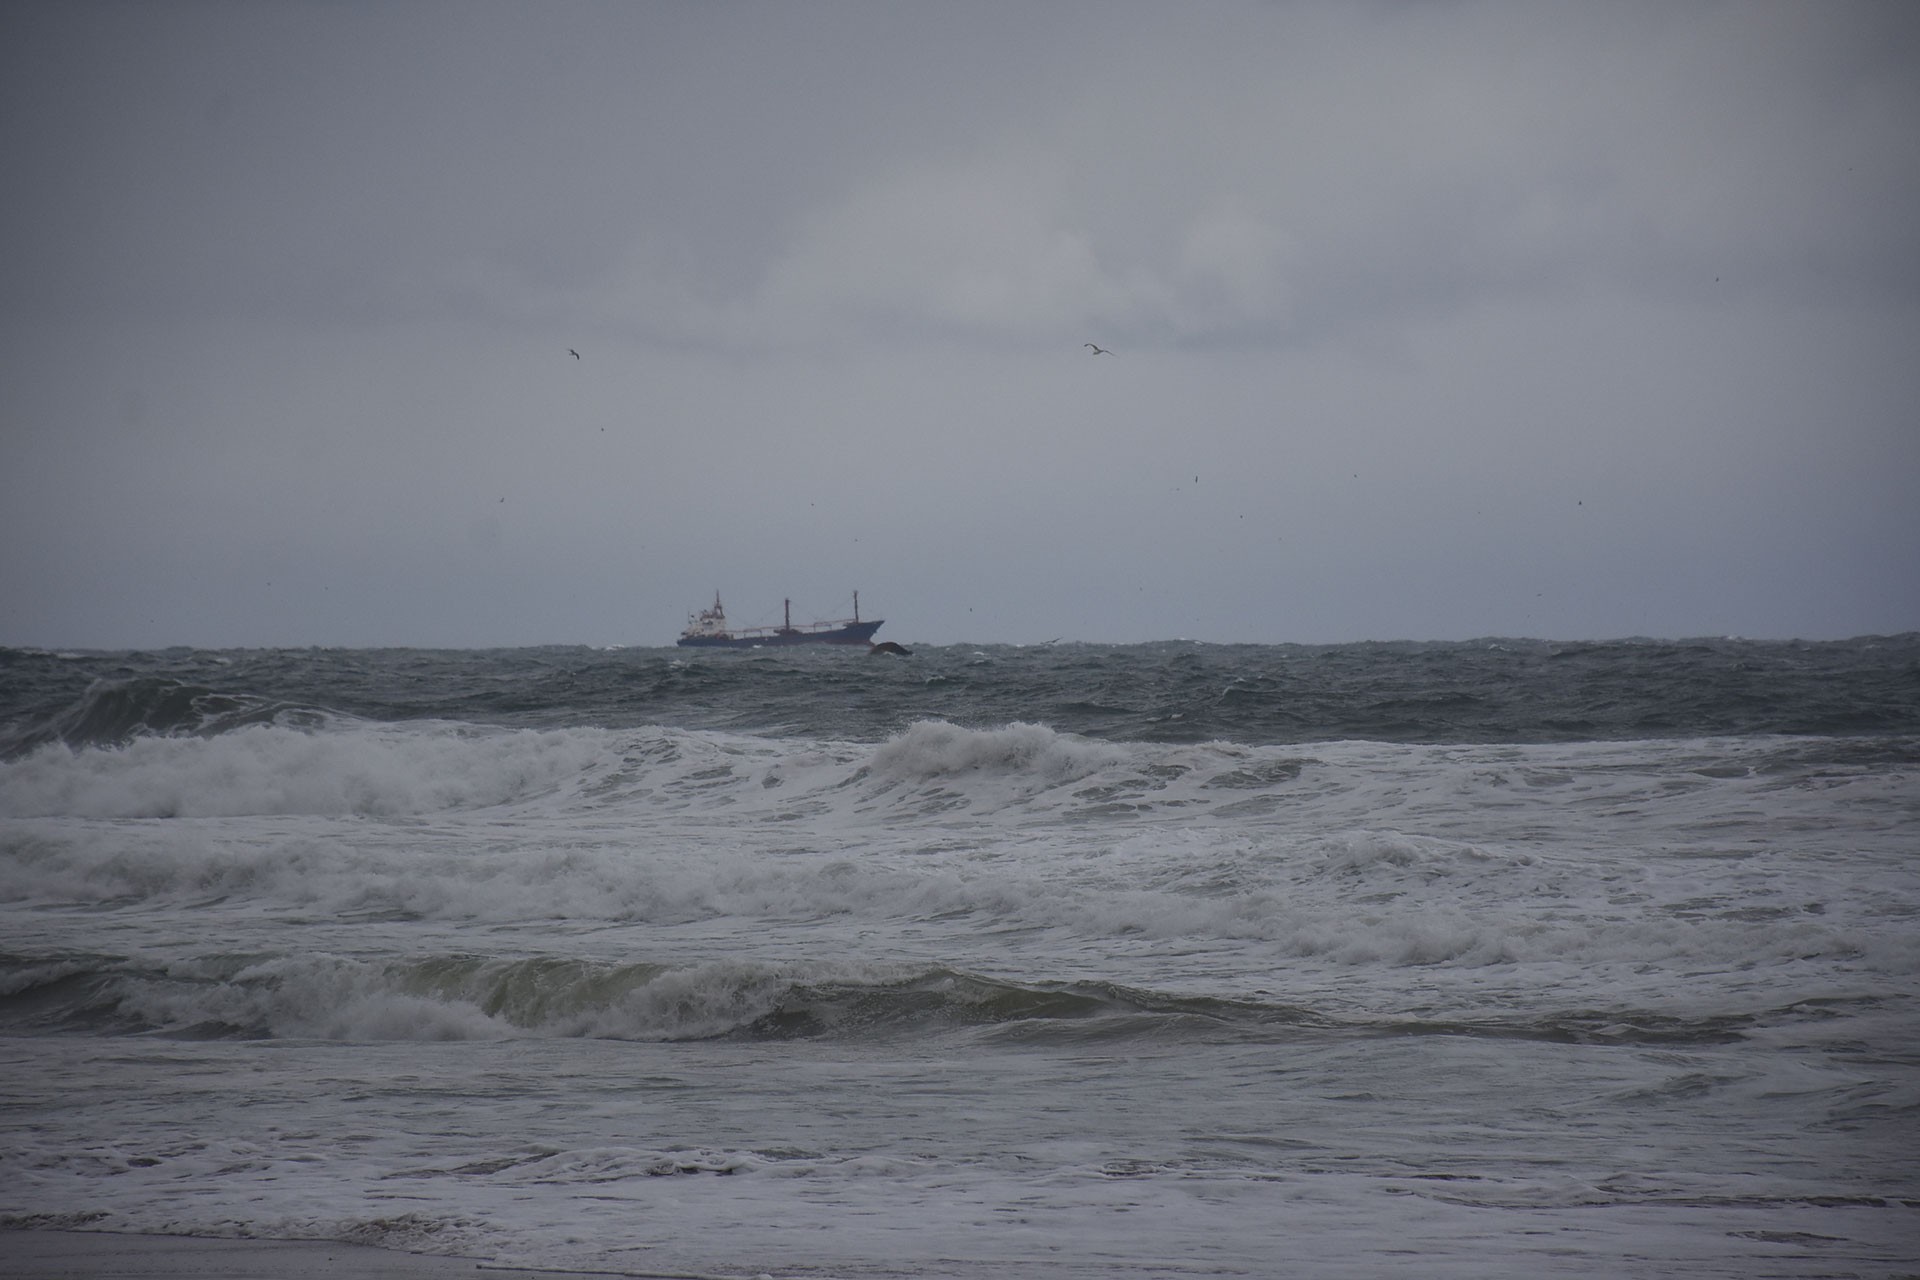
(849, 633)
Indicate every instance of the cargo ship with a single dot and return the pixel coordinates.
(708, 629)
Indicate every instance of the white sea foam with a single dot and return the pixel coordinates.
(307, 997)
(263, 769)
(934, 749)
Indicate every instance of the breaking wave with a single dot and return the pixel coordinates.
(456, 997)
(371, 770)
(113, 712)
(267, 768)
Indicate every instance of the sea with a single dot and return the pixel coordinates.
(1496, 958)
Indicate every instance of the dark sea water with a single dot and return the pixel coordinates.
(1479, 691)
(1491, 958)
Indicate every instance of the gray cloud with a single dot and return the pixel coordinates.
(1469, 318)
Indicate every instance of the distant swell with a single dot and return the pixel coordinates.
(1473, 691)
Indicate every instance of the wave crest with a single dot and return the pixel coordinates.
(116, 712)
(457, 997)
(270, 769)
(931, 750)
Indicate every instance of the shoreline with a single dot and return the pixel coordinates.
(65, 1254)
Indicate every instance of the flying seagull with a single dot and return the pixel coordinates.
(1099, 351)
(573, 353)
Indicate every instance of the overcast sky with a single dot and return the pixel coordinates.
(1427, 320)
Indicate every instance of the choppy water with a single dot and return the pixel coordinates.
(1460, 960)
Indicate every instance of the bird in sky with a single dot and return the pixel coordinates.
(1099, 351)
(573, 353)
